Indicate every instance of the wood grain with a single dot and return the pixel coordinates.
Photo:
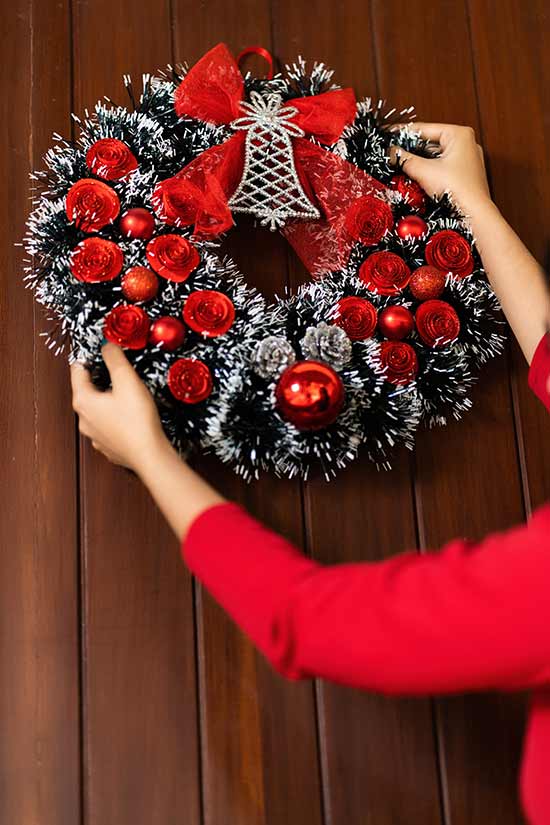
(39, 656)
(141, 754)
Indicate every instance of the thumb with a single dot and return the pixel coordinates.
(414, 166)
(120, 369)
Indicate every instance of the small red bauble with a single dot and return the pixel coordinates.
(139, 284)
(310, 395)
(385, 273)
(209, 312)
(167, 333)
(189, 380)
(96, 259)
(416, 197)
(110, 159)
(437, 323)
(412, 226)
(127, 326)
(91, 204)
(172, 257)
(368, 219)
(395, 323)
(427, 282)
(137, 223)
(400, 361)
(450, 252)
(356, 316)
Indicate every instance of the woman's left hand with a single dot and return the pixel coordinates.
(123, 422)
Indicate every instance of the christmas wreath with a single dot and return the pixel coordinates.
(123, 239)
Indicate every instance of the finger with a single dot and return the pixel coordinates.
(118, 365)
(414, 165)
(81, 384)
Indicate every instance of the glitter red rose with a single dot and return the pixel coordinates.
(189, 380)
(450, 252)
(385, 273)
(437, 323)
(368, 219)
(400, 361)
(110, 159)
(172, 257)
(91, 204)
(128, 326)
(209, 312)
(410, 189)
(96, 259)
(357, 317)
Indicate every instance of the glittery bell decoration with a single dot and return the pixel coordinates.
(270, 188)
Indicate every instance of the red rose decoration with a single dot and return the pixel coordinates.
(172, 257)
(437, 323)
(209, 312)
(416, 197)
(400, 361)
(450, 252)
(91, 204)
(357, 317)
(189, 380)
(128, 326)
(110, 159)
(95, 259)
(385, 273)
(368, 219)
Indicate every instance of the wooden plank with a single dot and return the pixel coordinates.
(39, 691)
(514, 95)
(258, 731)
(378, 754)
(141, 750)
(467, 476)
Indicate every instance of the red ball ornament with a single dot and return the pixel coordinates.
(395, 323)
(310, 395)
(137, 223)
(411, 226)
(167, 333)
(427, 282)
(409, 189)
(139, 285)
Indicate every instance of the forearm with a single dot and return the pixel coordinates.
(516, 277)
(179, 492)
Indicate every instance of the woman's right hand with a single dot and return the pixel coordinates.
(459, 167)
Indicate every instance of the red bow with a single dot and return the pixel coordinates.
(212, 91)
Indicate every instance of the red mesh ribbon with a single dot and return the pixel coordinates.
(212, 91)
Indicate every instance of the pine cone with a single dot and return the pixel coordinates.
(273, 355)
(327, 342)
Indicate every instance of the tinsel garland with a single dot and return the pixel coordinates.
(240, 421)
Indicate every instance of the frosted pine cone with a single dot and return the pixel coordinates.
(272, 355)
(327, 342)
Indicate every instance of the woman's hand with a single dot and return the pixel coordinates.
(459, 168)
(123, 422)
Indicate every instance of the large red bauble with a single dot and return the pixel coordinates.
(427, 282)
(411, 226)
(310, 395)
(167, 332)
(395, 323)
(137, 223)
(139, 284)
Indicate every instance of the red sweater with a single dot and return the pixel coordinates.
(470, 617)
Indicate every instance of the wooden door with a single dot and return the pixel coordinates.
(126, 695)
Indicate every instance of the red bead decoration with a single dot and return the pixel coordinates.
(427, 282)
(310, 395)
(139, 284)
(395, 323)
(190, 380)
(167, 333)
(412, 226)
(137, 223)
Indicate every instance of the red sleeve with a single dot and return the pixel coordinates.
(539, 371)
(469, 617)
